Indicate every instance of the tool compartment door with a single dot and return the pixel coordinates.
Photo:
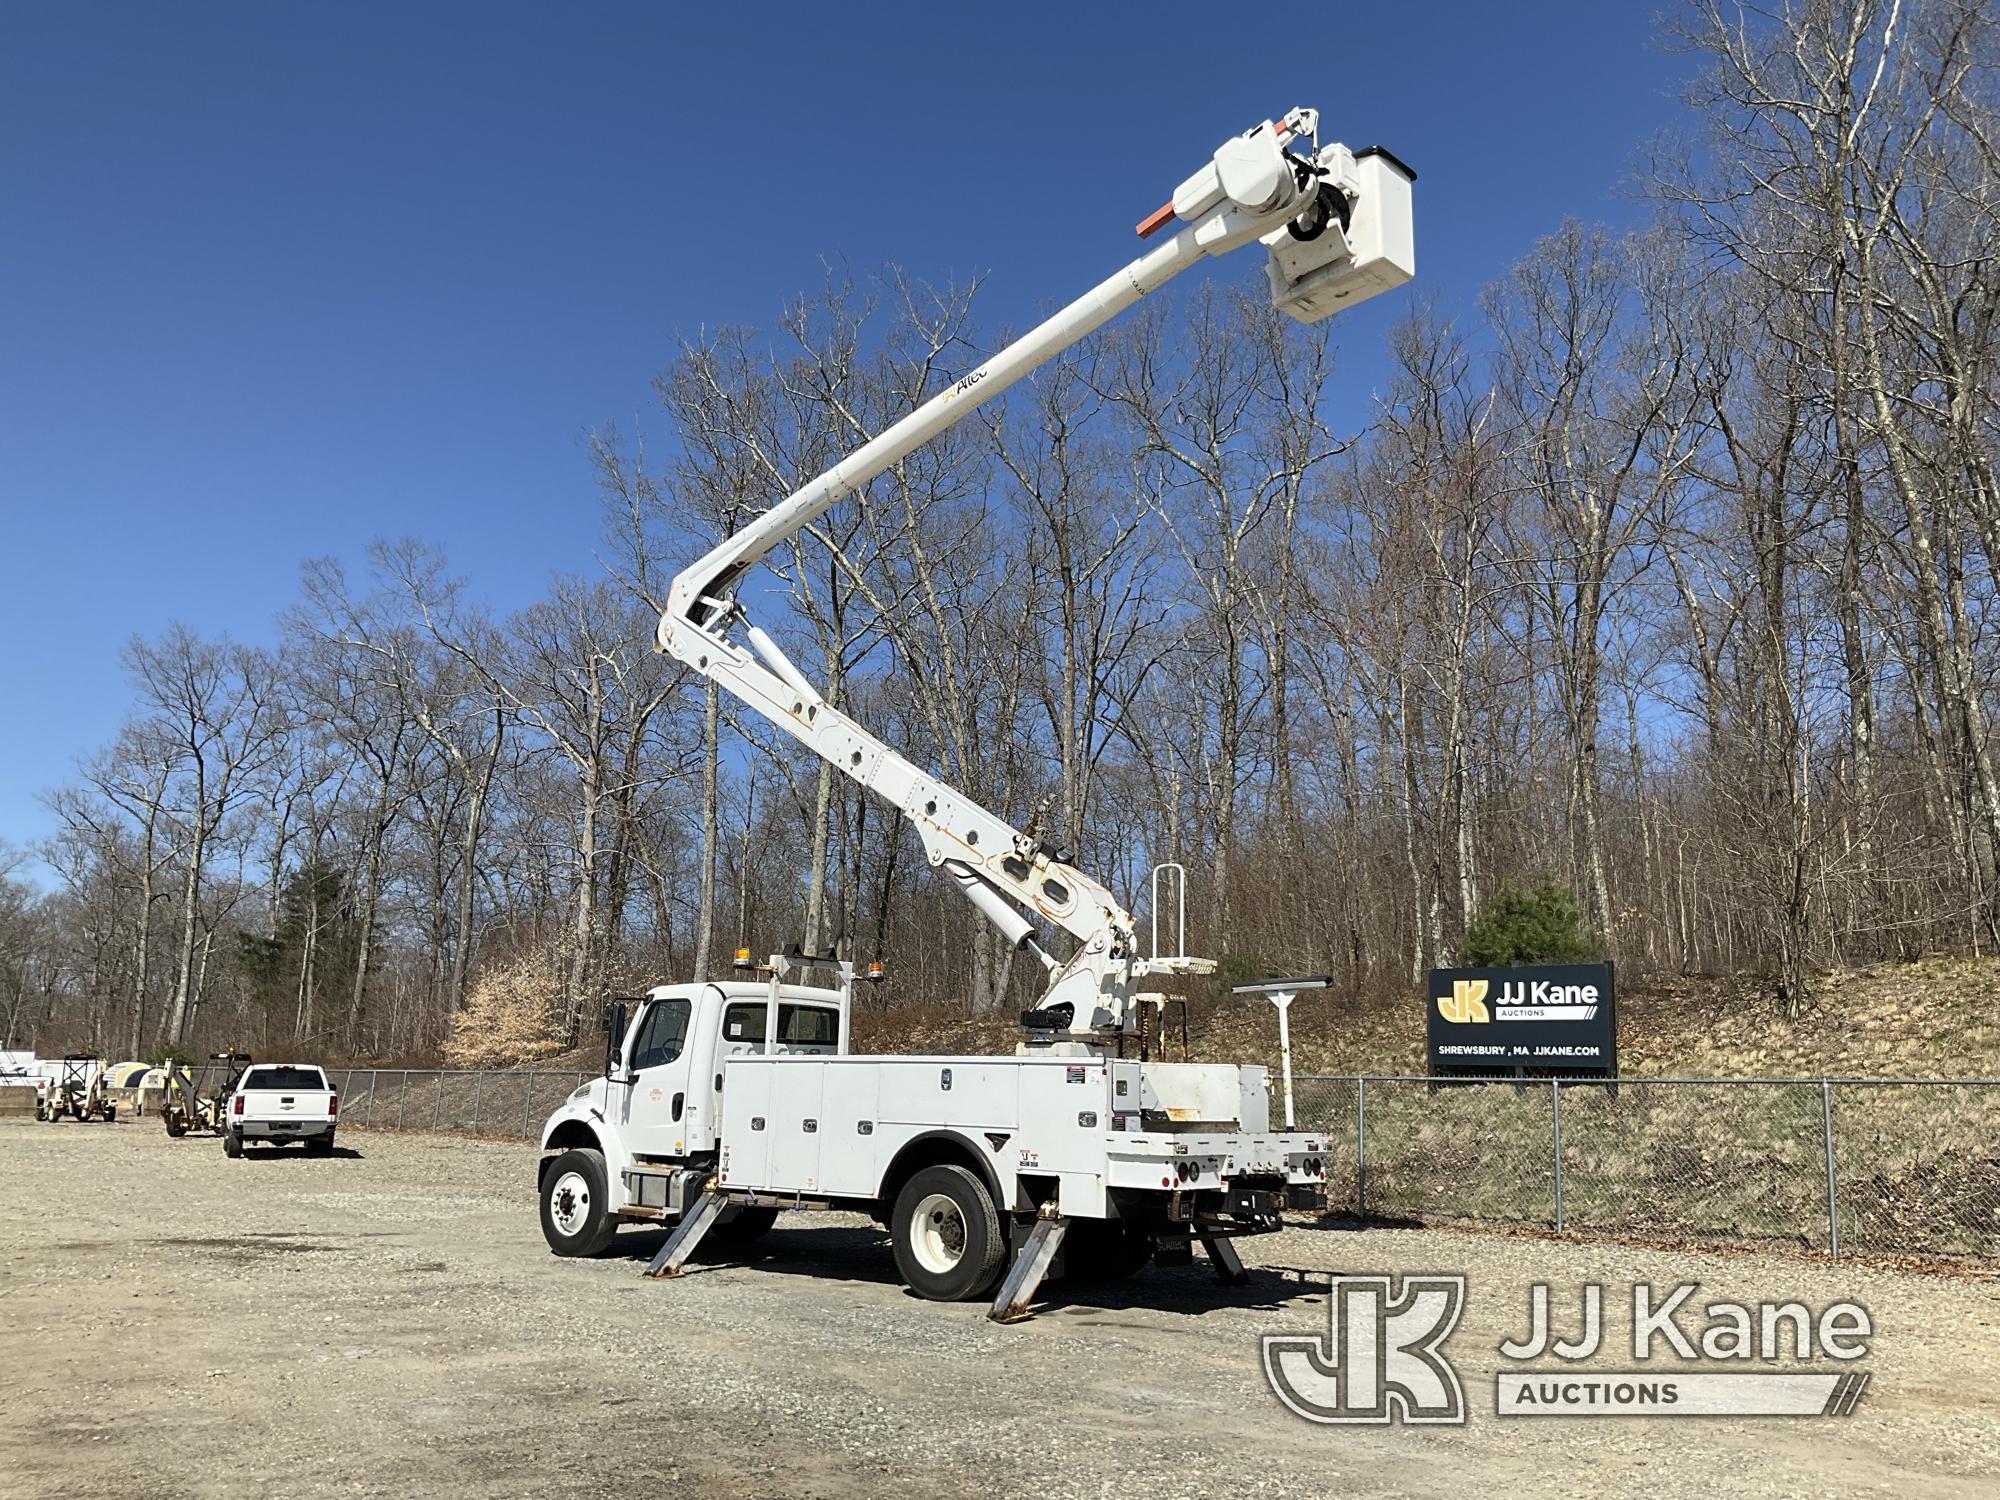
(746, 1123)
(850, 1151)
(794, 1125)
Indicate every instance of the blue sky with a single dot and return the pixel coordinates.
(277, 279)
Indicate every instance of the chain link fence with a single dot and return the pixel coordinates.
(1861, 1165)
(507, 1103)
(1858, 1165)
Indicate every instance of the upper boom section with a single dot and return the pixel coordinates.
(1337, 226)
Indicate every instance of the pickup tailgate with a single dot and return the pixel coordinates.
(284, 1101)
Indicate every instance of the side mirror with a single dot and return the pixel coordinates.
(614, 1037)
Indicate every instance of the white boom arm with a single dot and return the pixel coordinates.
(1337, 226)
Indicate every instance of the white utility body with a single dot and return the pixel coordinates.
(724, 1101)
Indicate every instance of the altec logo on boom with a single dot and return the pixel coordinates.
(1519, 1000)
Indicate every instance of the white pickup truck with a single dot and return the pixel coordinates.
(278, 1102)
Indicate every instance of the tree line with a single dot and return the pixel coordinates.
(1667, 571)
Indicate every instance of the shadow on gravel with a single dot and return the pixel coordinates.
(827, 1253)
(862, 1254)
(1188, 1291)
(291, 1153)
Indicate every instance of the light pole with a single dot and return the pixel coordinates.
(1281, 993)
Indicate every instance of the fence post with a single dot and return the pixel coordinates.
(437, 1118)
(478, 1082)
(1361, 1148)
(403, 1100)
(1556, 1096)
(372, 1079)
(527, 1102)
(1832, 1184)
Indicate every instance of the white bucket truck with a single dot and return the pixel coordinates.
(722, 1102)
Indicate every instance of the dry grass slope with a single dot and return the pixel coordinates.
(1936, 1018)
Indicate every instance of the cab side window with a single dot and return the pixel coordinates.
(798, 1025)
(661, 1035)
(808, 1026)
(743, 1023)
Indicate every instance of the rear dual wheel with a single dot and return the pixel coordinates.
(946, 1235)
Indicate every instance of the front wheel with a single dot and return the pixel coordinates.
(946, 1235)
(576, 1215)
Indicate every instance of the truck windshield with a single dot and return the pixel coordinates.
(284, 1078)
(798, 1025)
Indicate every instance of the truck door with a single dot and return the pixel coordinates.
(656, 1103)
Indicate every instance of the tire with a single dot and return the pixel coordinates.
(232, 1144)
(576, 1214)
(744, 1227)
(1104, 1250)
(176, 1127)
(320, 1145)
(110, 1114)
(946, 1235)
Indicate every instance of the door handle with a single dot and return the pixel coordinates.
(679, 1100)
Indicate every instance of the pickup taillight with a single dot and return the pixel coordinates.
(237, 1109)
(333, 1104)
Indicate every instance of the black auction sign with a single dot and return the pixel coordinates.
(1541, 1020)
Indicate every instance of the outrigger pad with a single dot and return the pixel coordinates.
(687, 1234)
(1228, 1264)
(1017, 1291)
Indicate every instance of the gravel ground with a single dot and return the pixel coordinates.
(387, 1322)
